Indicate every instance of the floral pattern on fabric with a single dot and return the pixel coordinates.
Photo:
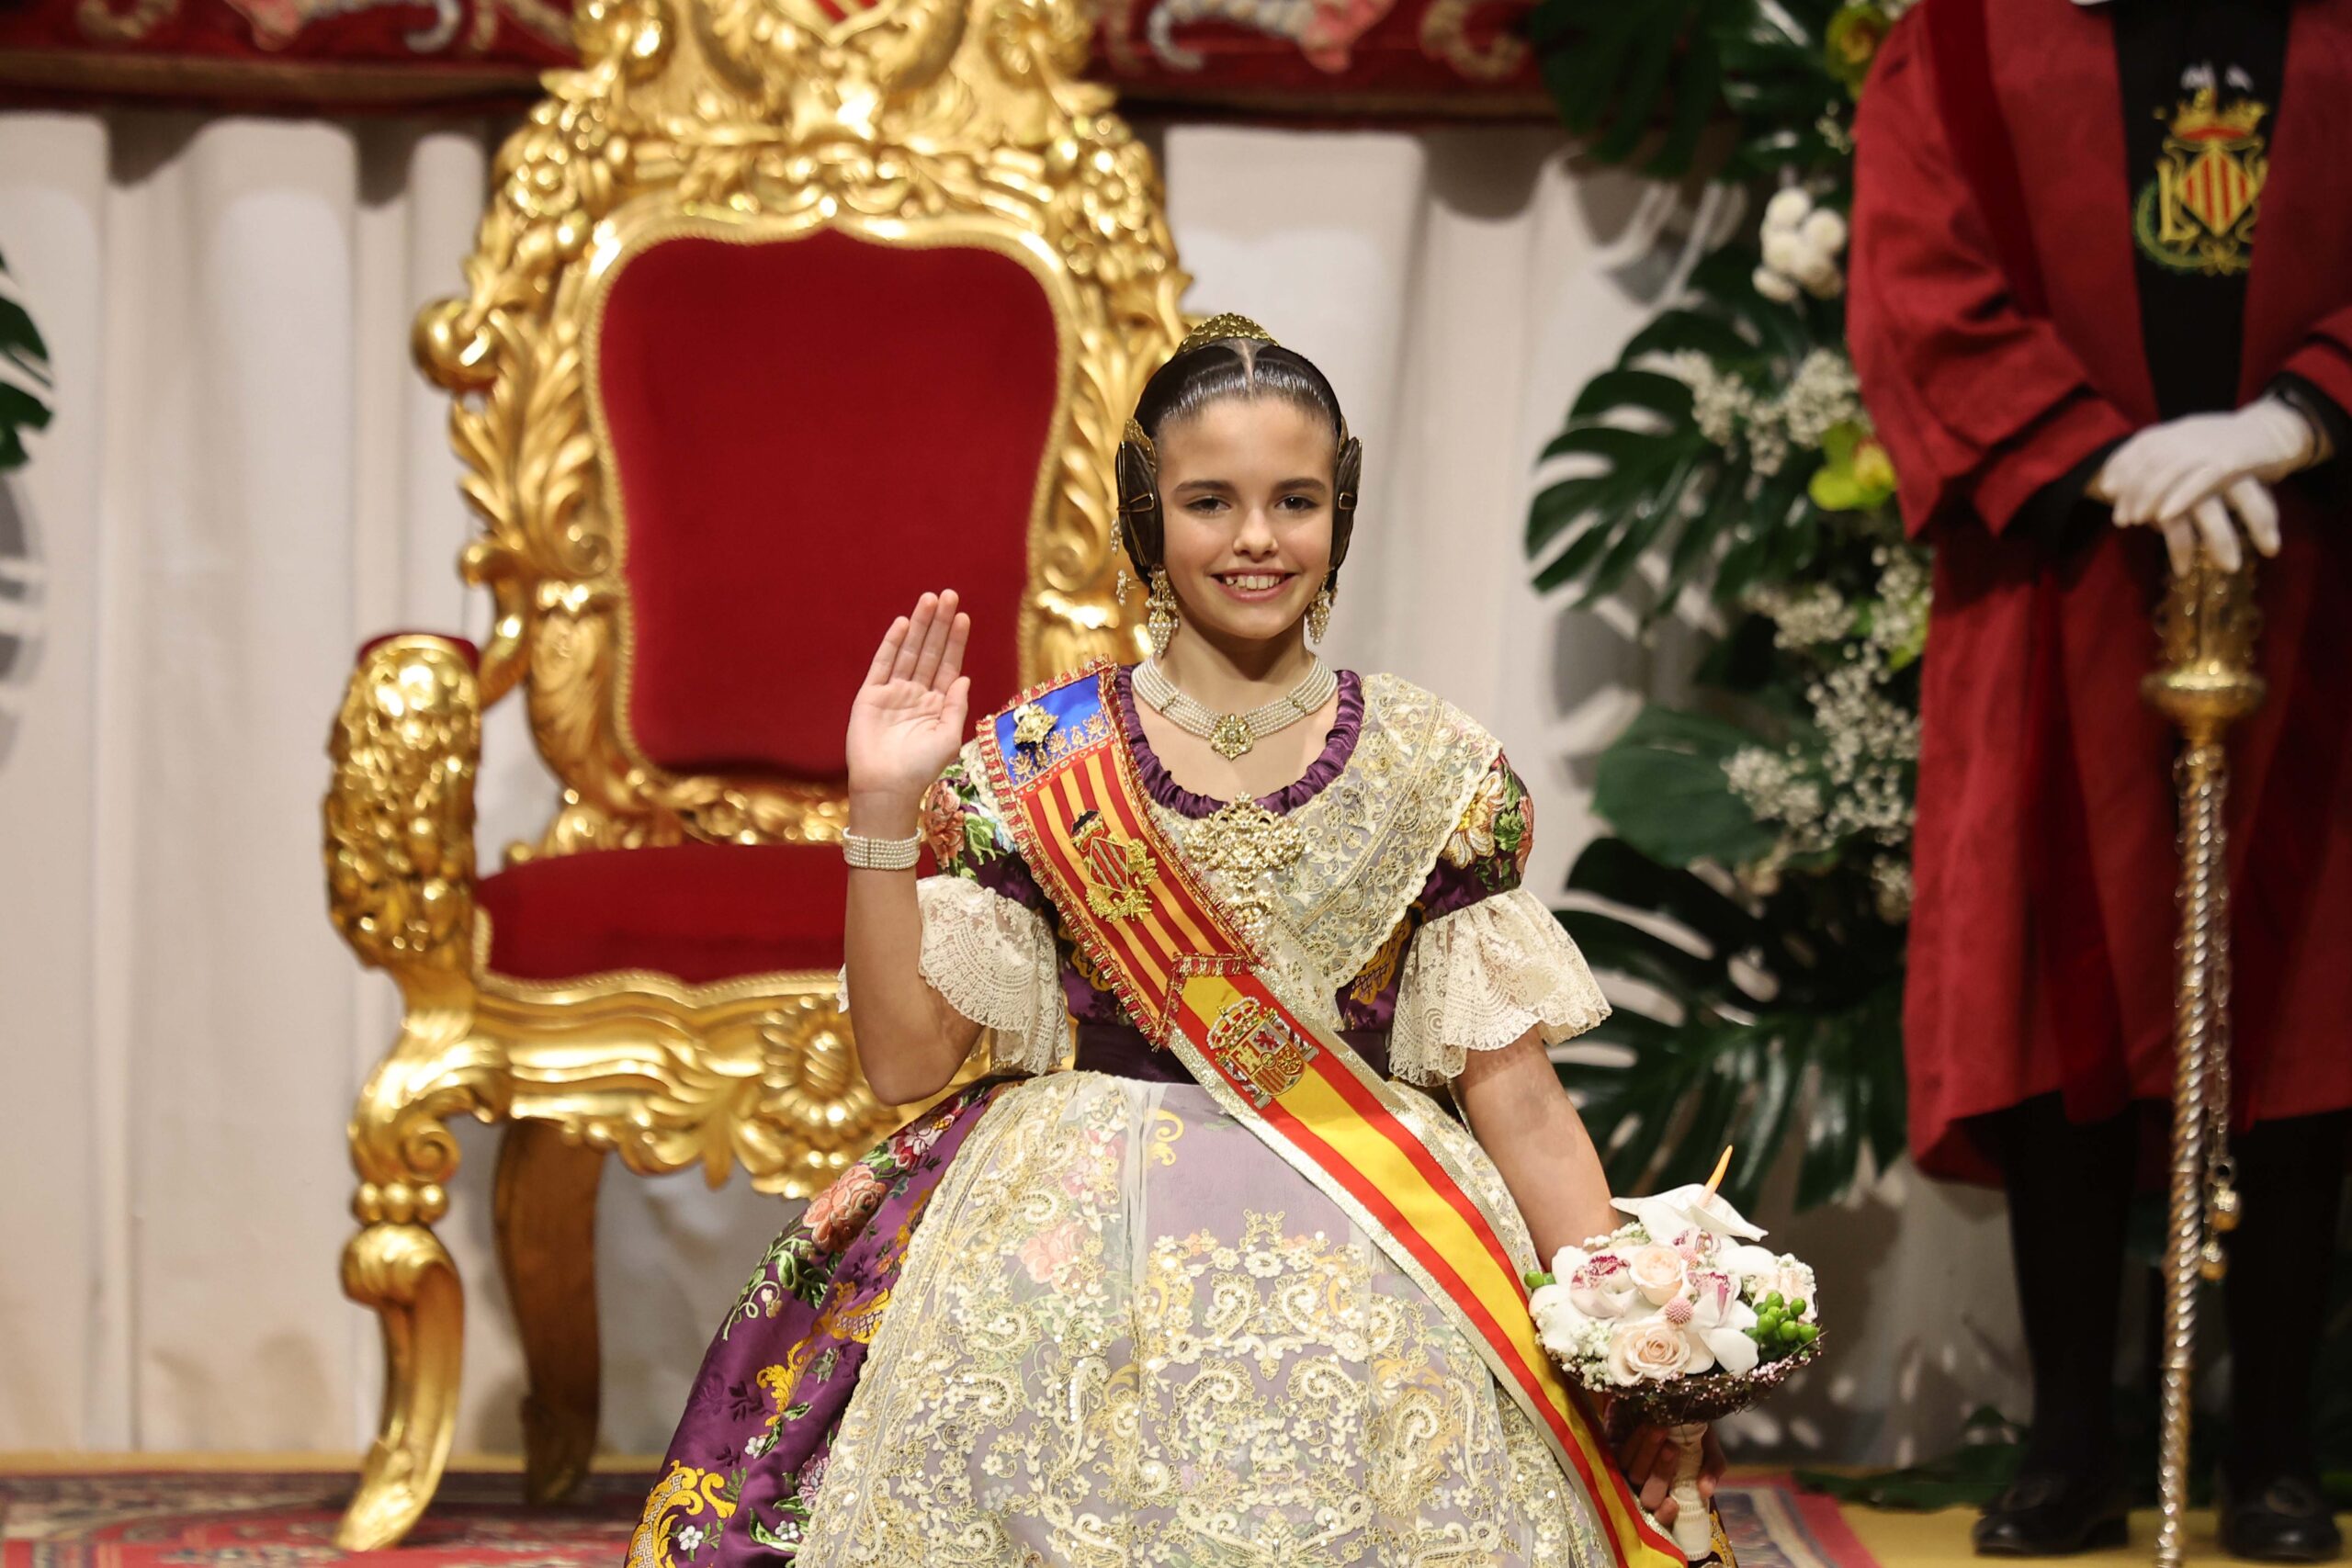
(1131, 1334)
(1496, 830)
(967, 836)
(753, 1446)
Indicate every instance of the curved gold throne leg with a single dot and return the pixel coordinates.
(396, 1267)
(399, 854)
(547, 1251)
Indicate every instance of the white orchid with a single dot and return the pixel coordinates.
(1715, 1322)
(1600, 1285)
(1787, 210)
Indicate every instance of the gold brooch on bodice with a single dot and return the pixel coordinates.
(1245, 846)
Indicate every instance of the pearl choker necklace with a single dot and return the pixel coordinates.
(1232, 735)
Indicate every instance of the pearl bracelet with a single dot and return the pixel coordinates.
(882, 854)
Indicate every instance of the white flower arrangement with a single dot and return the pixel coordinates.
(1821, 394)
(1678, 1291)
(1802, 243)
(1678, 1317)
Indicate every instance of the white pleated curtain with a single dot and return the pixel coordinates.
(245, 477)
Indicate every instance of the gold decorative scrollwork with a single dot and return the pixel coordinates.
(758, 1073)
(400, 815)
(954, 120)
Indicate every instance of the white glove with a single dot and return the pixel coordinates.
(2188, 475)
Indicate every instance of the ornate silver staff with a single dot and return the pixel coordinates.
(2204, 683)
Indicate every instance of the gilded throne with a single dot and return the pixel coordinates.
(782, 311)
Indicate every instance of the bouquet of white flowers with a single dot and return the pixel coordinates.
(1678, 1319)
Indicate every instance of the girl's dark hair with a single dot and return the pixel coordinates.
(1235, 367)
(1227, 368)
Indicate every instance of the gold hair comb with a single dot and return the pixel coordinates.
(1220, 327)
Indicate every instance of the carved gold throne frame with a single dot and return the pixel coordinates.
(903, 125)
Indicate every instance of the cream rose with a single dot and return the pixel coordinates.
(1660, 1273)
(1651, 1350)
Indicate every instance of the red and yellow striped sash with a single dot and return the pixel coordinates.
(1069, 792)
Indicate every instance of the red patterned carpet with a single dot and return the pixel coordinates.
(178, 1518)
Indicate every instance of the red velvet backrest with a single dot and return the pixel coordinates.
(808, 433)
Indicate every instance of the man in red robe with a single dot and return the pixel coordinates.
(2103, 254)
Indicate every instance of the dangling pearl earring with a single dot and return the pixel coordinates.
(1319, 615)
(1160, 614)
(1120, 584)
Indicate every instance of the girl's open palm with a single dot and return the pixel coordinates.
(908, 721)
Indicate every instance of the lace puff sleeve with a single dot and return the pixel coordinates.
(987, 943)
(1491, 962)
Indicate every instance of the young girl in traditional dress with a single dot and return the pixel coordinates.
(1201, 1272)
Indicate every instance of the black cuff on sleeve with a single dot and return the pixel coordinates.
(2059, 515)
(2306, 399)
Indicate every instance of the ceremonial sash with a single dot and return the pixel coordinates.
(1069, 791)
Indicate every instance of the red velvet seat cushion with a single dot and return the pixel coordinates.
(700, 912)
(809, 432)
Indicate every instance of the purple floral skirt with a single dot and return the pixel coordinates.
(750, 1452)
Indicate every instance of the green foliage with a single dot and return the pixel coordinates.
(1651, 78)
(26, 358)
(1982, 1467)
(1759, 1018)
(24, 353)
(1663, 786)
(1651, 477)
(1724, 455)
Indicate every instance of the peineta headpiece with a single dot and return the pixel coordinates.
(1221, 328)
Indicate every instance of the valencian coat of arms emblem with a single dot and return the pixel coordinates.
(1119, 872)
(2198, 214)
(1257, 1046)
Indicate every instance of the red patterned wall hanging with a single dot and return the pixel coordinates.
(1327, 59)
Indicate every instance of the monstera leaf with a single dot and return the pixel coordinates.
(1653, 478)
(1662, 784)
(1756, 1024)
(24, 365)
(1620, 71)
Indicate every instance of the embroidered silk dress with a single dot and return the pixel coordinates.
(1120, 1328)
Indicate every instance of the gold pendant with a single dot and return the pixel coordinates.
(1231, 736)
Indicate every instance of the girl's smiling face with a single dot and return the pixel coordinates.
(1244, 491)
